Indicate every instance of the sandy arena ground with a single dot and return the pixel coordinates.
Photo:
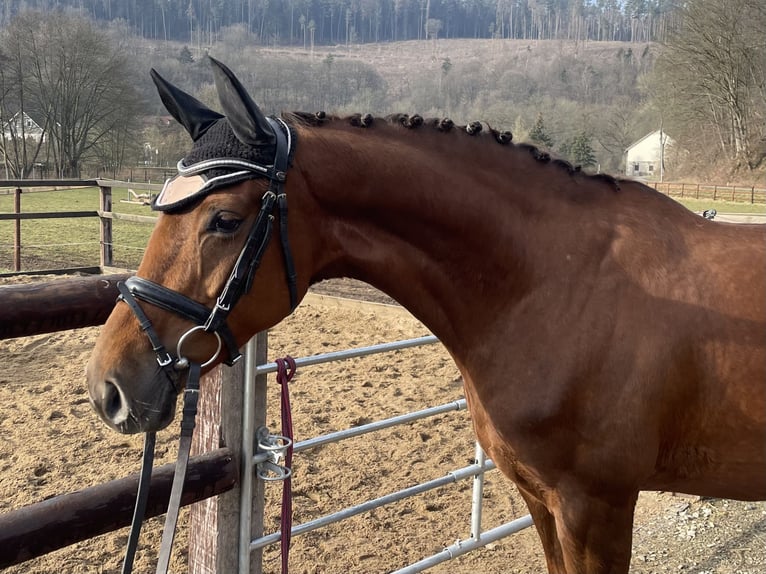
(52, 443)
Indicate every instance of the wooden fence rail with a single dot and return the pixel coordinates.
(40, 528)
(104, 213)
(740, 194)
(106, 216)
(72, 303)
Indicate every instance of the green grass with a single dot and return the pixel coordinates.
(700, 205)
(58, 243)
(70, 242)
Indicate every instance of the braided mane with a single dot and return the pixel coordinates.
(447, 125)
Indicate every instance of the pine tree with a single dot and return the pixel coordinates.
(581, 150)
(185, 56)
(538, 134)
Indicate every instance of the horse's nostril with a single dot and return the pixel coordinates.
(112, 403)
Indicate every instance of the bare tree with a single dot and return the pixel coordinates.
(712, 77)
(20, 145)
(76, 78)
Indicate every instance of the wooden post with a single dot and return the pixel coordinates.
(105, 204)
(214, 523)
(752, 195)
(17, 231)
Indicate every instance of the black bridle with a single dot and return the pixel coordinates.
(241, 277)
(208, 320)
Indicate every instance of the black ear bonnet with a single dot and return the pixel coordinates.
(219, 156)
(218, 159)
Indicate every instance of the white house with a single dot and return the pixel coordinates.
(648, 157)
(21, 121)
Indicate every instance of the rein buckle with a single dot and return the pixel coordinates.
(164, 361)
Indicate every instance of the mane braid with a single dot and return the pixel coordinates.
(446, 125)
(474, 128)
(361, 121)
(503, 138)
(306, 118)
(414, 121)
(443, 125)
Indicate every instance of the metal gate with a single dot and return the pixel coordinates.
(269, 447)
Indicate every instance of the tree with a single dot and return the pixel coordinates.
(432, 28)
(538, 134)
(20, 148)
(580, 150)
(185, 56)
(711, 78)
(618, 126)
(79, 80)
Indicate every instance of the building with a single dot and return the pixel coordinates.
(20, 123)
(11, 144)
(648, 157)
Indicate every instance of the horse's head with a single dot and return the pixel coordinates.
(223, 221)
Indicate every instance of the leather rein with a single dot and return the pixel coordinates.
(206, 320)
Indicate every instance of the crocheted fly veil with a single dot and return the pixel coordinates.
(227, 149)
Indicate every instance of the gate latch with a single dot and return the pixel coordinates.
(270, 451)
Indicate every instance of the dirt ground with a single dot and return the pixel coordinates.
(52, 442)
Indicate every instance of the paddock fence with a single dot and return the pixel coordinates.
(712, 192)
(137, 193)
(227, 522)
(132, 192)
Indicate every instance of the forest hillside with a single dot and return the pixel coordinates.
(583, 80)
(570, 89)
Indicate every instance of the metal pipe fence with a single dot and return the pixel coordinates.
(476, 471)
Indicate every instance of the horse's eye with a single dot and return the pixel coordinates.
(224, 222)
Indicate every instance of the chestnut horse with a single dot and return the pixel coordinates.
(610, 340)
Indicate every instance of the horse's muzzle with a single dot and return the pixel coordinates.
(145, 404)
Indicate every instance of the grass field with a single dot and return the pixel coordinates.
(70, 242)
(58, 243)
(700, 205)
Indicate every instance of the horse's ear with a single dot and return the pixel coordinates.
(247, 121)
(192, 114)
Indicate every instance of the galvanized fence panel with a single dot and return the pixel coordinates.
(252, 562)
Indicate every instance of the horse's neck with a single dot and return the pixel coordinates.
(433, 229)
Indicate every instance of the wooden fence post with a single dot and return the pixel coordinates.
(214, 523)
(17, 231)
(105, 205)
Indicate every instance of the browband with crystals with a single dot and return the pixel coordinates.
(184, 189)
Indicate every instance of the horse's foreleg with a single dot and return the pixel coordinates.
(545, 524)
(595, 531)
